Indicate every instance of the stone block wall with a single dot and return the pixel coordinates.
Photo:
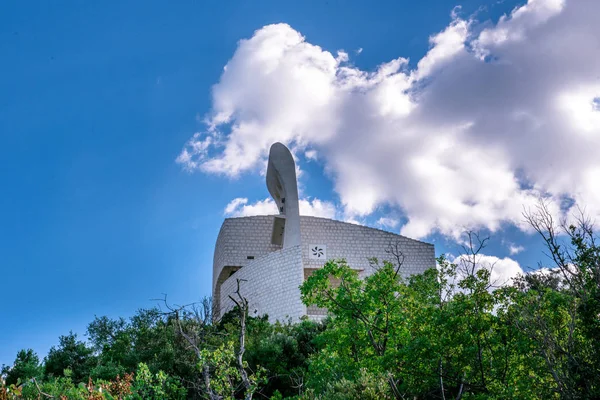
(273, 274)
(270, 284)
(240, 238)
(357, 243)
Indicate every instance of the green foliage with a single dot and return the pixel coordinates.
(365, 387)
(148, 386)
(149, 337)
(107, 371)
(145, 386)
(72, 355)
(283, 351)
(26, 366)
(221, 361)
(447, 333)
(223, 377)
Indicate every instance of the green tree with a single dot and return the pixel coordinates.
(442, 334)
(72, 355)
(283, 351)
(367, 330)
(558, 310)
(150, 337)
(159, 386)
(26, 366)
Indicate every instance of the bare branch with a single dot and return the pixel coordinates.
(242, 304)
(396, 252)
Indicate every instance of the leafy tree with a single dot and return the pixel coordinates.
(150, 337)
(558, 310)
(72, 355)
(26, 366)
(365, 387)
(283, 351)
(449, 333)
(103, 333)
(219, 355)
(148, 386)
(368, 329)
(442, 334)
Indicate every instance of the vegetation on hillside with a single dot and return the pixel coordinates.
(450, 333)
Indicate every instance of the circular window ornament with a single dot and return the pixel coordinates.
(317, 252)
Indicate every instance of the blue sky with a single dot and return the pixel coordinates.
(98, 100)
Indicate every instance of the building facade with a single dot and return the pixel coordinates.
(274, 254)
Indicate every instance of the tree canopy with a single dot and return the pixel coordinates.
(449, 333)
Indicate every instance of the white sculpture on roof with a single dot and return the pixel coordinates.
(282, 184)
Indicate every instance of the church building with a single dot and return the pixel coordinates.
(274, 254)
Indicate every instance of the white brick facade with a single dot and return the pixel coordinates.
(270, 284)
(272, 274)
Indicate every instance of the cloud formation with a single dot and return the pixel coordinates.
(502, 270)
(490, 118)
(515, 249)
(240, 207)
(387, 222)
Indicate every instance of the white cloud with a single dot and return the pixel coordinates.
(445, 46)
(317, 208)
(311, 154)
(488, 120)
(195, 152)
(239, 207)
(503, 270)
(387, 222)
(515, 249)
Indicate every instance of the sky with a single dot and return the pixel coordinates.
(129, 131)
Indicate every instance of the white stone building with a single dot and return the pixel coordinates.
(273, 254)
